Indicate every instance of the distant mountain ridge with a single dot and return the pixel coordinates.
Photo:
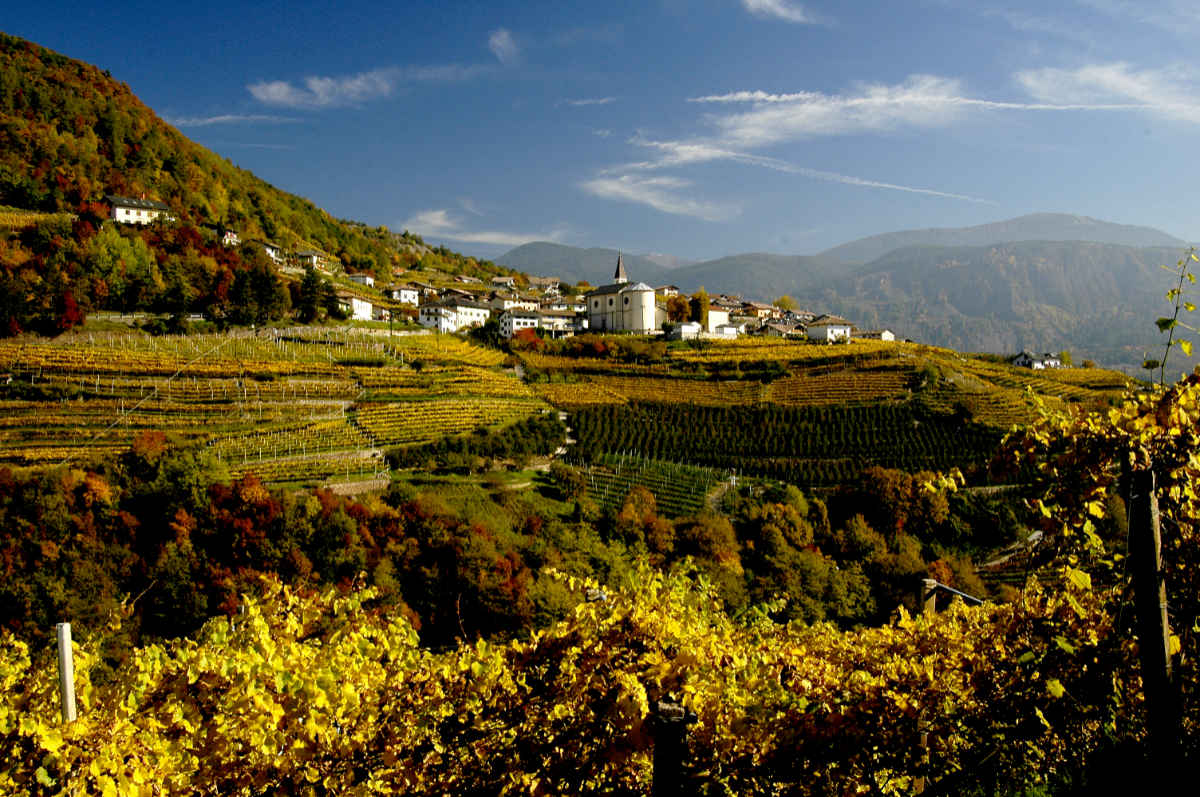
(1033, 227)
(1045, 281)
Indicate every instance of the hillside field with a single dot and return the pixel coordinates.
(298, 405)
(303, 405)
(809, 414)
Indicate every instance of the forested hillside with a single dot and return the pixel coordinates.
(70, 135)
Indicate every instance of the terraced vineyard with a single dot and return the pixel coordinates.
(423, 421)
(841, 387)
(298, 404)
(802, 445)
(678, 489)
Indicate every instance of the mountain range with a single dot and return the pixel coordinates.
(1045, 281)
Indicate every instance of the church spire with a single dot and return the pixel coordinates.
(620, 276)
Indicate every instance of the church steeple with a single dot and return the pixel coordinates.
(619, 276)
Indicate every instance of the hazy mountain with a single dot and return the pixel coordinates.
(1097, 300)
(1034, 227)
(668, 261)
(758, 275)
(573, 264)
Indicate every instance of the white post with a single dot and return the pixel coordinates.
(66, 672)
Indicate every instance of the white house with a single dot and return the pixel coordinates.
(875, 334)
(726, 330)
(1027, 359)
(685, 330)
(405, 294)
(274, 251)
(504, 282)
(355, 308)
(829, 328)
(128, 210)
(621, 306)
(451, 315)
(501, 302)
(230, 238)
(513, 321)
(362, 279)
(559, 324)
(716, 317)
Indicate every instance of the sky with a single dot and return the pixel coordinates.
(695, 128)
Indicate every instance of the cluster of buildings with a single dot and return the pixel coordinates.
(620, 306)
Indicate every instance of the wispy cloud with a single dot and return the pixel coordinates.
(1171, 93)
(781, 9)
(591, 101)
(681, 153)
(469, 205)
(921, 101)
(318, 91)
(660, 193)
(602, 132)
(227, 119)
(504, 46)
(440, 223)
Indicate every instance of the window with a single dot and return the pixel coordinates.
(610, 302)
(627, 300)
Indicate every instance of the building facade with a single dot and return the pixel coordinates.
(622, 306)
(128, 210)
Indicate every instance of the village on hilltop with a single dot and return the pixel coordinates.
(450, 303)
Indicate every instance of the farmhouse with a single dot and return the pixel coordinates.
(312, 258)
(875, 334)
(621, 306)
(405, 294)
(513, 321)
(501, 302)
(362, 279)
(274, 251)
(451, 315)
(135, 211)
(1027, 359)
(829, 328)
(685, 330)
(354, 307)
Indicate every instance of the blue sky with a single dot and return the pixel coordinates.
(697, 129)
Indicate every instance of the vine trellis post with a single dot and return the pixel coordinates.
(1151, 620)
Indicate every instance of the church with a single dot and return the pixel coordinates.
(621, 306)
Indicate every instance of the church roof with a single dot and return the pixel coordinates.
(619, 287)
(619, 275)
